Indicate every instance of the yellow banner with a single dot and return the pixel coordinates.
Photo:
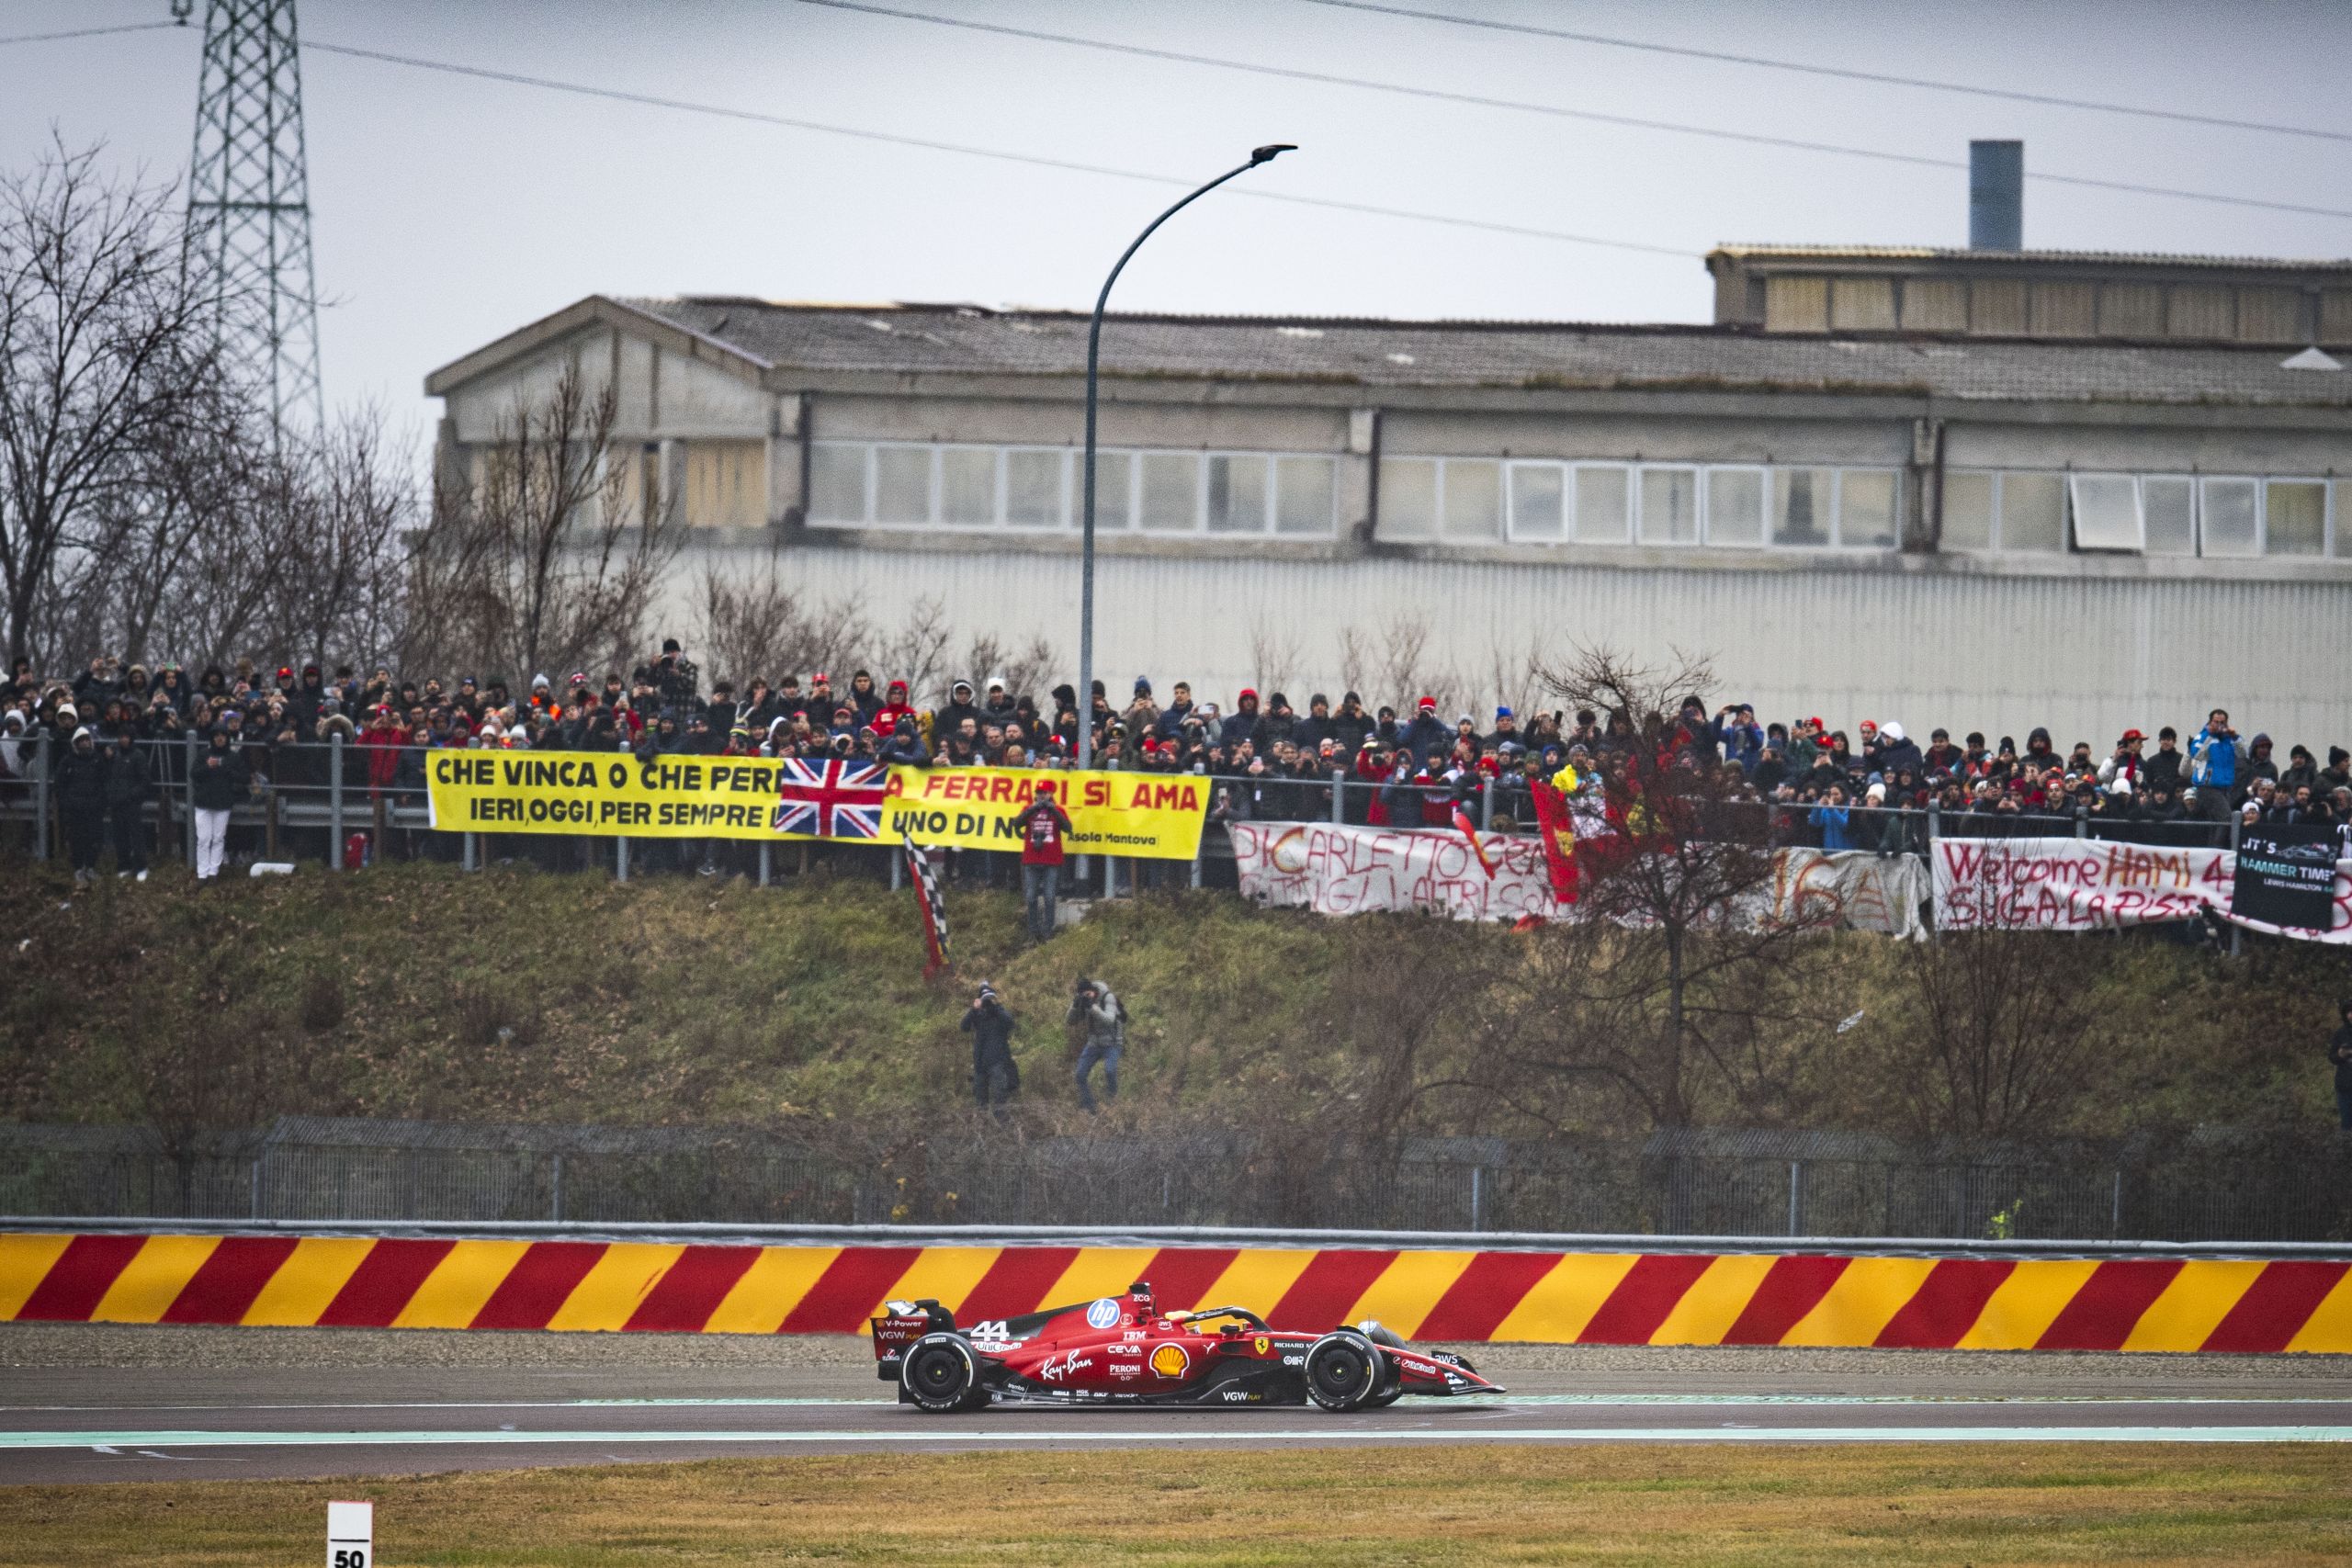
(1148, 815)
(674, 796)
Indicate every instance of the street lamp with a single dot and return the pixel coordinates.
(1265, 154)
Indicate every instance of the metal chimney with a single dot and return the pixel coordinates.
(1995, 196)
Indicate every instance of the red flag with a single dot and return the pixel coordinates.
(1477, 848)
(1557, 825)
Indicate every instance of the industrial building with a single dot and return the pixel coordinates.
(1988, 488)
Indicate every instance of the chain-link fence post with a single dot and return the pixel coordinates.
(334, 801)
(40, 794)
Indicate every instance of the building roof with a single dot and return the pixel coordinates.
(2118, 259)
(970, 340)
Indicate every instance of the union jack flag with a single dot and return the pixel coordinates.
(831, 799)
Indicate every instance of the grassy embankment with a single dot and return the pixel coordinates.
(414, 991)
(1619, 1505)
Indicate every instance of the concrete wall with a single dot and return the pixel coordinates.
(2086, 656)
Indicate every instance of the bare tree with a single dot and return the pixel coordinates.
(2005, 1025)
(106, 352)
(916, 651)
(1355, 660)
(1273, 653)
(340, 585)
(1674, 984)
(538, 561)
(753, 625)
(1026, 669)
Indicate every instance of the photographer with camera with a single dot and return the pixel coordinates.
(995, 1078)
(1104, 1017)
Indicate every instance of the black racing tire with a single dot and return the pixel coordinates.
(941, 1375)
(1383, 1399)
(1345, 1372)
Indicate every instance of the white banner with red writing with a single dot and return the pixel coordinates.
(2080, 884)
(1340, 870)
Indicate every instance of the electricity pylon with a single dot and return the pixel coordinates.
(249, 204)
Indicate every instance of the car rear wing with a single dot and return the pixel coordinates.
(903, 1323)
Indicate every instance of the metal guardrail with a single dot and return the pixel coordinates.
(2260, 1187)
(717, 1234)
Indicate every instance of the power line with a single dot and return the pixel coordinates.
(1841, 73)
(1559, 112)
(1036, 161)
(88, 32)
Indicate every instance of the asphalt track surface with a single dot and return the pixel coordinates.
(129, 1404)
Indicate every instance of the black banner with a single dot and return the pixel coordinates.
(2286, 874)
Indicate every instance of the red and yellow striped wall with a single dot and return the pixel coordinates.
(1599, 1298)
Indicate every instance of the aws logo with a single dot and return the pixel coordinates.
(1171, 1361)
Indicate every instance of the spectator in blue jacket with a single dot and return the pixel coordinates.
(1832, 817)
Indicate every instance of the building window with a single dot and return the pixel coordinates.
(1603, 505)
(1407, 498)
(1034, 487)
(838, 490)
(1171, 493)
(1669, 506)
(1307, 495)
(1470, 499)
(2168, 510)
(1538, 502)
(2342, 497)
(968, 485)
(1802, 500)
(2295, 518)
(1236, 494)
(2107, 512)
(1735, 506)
(2230, 515)
(1969, 506)
(1114, 491)
(902, 487)
(1868, 513)
(2033, 513)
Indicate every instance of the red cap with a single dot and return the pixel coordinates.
(2135, 735)
(1045, 787)
(1429, 702)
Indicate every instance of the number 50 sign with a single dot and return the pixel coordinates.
(351, 1535)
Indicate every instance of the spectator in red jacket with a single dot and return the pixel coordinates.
(1042, 824)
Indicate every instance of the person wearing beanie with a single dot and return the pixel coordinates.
(995, 1077)
(1094, 1007)
(1428, 736)
(80, 783)
(2340, 1053)
(128, 784)
(222, 778)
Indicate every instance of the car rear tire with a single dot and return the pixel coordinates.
(1345, 1372)
(940, 1375)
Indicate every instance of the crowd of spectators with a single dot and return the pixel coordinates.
(259, 728)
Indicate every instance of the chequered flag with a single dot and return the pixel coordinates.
(935, 911)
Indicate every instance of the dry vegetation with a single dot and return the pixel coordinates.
(1489, 1504)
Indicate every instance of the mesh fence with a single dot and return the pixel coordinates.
(2212, 1186)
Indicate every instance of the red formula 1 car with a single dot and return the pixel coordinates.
(1124, 1350)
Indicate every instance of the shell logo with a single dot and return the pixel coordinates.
(1169, 1361)
(1288, 852)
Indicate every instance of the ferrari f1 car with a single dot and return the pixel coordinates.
(1124, 1351)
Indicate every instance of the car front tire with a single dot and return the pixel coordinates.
(1345, 1372)
(940, 1375)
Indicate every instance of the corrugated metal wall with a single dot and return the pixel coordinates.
(2085, 656)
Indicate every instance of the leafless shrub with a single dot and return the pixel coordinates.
(756, 626)
(546, 554)
(1026, 669)
(916, 651)
(1273, 653)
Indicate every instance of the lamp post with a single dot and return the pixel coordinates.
(1265, 154)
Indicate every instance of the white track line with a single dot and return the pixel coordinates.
(1322, 1435)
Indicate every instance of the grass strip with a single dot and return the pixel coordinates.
(2036, 1504)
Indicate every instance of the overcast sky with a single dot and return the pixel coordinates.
(448, 211)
